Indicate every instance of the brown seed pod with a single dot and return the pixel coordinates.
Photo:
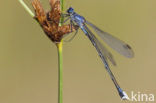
(50, 21)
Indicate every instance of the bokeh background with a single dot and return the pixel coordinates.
(28, 59)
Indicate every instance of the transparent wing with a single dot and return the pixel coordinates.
(101, 47)
(118, 45)
(98, 47)
(104, 51)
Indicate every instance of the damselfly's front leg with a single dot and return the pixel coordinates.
(72, 36)
(64, 15)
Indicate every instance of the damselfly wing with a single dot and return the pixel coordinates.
(118, 45)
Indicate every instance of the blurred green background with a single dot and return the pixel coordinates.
(28, 59)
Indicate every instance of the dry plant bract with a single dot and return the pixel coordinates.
(49, 21)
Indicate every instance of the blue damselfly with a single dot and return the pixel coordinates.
(118, 45)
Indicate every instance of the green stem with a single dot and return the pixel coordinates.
(62, 10)
(60, 72)
(26, 8)
(60, 61)
(62, 5)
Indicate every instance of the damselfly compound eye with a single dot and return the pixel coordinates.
(70, 10)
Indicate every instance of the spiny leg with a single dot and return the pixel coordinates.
(65, 15)
(66, 20)
(72, 37)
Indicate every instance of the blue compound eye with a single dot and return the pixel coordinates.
(70, 10)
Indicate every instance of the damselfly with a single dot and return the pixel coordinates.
(118, 45)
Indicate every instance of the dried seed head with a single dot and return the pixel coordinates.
(50, 21)
(55, 14)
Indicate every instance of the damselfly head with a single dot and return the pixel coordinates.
(70, 10)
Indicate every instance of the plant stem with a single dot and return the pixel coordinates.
(26, 8)
(60, 72)
(60, 61)
(62, 10)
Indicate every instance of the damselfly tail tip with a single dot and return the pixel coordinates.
(123, 94)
